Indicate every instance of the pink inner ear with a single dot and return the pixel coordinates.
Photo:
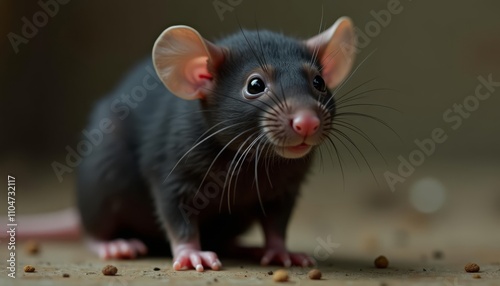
(197, 75)
(205, 76)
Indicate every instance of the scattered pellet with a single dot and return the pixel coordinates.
(476, 276)
(29, 268)
(314, 274)
(32, 247)
(269, 272)
(381, 262)
(156, 269)
(280, 276)
(471, 267)
(65, 275)
(437, 254)
(109, 270)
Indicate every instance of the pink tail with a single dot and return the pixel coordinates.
(63, 224)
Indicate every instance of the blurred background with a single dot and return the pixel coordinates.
(424, 57)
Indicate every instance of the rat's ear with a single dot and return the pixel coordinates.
(184, 61)
(335, 48)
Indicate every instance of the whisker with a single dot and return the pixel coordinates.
(321, 28)
(321, 165)
(259, 60)
(242, 159)
(369, 104)
(267, 160)
(337, 153)
(357, 96)
(371, 117)
(360, 133)
(210, 129)
(350, 76)
(257, 179)
(345, 146)
(218, 154)
(198, 144)
(360, 153)
(242, 101)
(355, 88)
(229, 177)
(260, 45)
(284, 97)
(276, 101)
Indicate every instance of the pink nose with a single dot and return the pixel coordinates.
(305, 123)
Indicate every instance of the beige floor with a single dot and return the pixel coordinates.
(362, 220)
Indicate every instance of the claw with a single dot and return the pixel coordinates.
(189, 258)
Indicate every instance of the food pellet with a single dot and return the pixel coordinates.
(381, 262)
(471, 267)
(156, 269)
(437, 255)
(109, 270)
(29, 268)
(314, 274)
(269, 273)
(32, 247)
(65, 275)
(280, 276)
(476, 276)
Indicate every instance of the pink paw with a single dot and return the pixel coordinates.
(189, 258)
(286, 258)
(119, 248)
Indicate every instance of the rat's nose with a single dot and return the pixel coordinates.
(305, 123)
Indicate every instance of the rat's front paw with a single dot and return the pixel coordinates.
(287, 259)
(118, 248)
(189, 258)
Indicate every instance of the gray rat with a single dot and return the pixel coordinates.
(227, 143)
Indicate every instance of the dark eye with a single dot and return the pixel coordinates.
(319, 83)
(255, 86)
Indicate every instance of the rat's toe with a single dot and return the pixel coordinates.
(118, 249)
(301, 259)
(138, 246)
(211, 260)
(196, 259)
(125, 249)
(286, 258)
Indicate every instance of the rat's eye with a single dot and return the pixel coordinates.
(319, 83)
(255, 86)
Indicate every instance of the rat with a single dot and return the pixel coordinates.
(224, 142)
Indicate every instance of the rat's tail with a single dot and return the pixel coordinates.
(64, 224)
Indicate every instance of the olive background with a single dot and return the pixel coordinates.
(424, 60)
(427, 58)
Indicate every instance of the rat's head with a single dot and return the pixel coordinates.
(260, 89)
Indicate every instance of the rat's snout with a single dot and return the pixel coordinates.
(305, 123)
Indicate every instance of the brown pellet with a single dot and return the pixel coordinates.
(437, 255)
(381, 262)
(65, 275)
(314, 274)
(109, 270)
(32, 247)
(29, 268)
(471, 267)
(476, 276)
(280, 276)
